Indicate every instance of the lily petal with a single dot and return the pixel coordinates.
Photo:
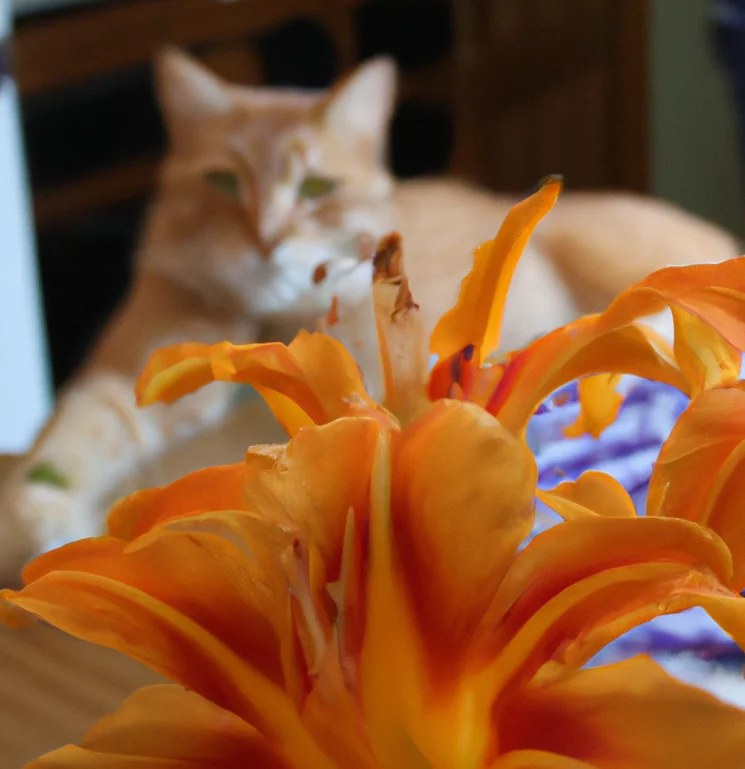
(700, 473)
(174, 371)
(184, 571)
(705, 357)
(456, 539)
(709, 301)
(588, 545)
(600, 405)
(214, 488)
(577, 350)
(334, 377)
(576, 624)
(310, 487)
(167, 726)
(476, 318)
(593, 493)
(393, 649)
(341, 730)
(708, 431)
(312, 381)
(538, 759)
(630, 714)
(112, 614)
(607, 574)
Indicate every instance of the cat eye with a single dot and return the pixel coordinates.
(225, 182)
(314, 187)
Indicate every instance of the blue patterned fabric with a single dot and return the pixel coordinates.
(627, 450)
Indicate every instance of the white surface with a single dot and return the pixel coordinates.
(25, 392)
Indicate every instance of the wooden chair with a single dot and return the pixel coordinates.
(552, 86)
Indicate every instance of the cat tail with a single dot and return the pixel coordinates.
(602, 243)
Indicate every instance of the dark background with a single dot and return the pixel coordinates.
(94, 135)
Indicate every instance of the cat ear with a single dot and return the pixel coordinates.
(360, 106)
(187, 91)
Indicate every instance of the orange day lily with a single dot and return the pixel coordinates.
(367, 606)
(357, 598)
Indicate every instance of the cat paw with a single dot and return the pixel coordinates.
(37, 513)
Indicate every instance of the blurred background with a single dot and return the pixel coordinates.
(611, 93)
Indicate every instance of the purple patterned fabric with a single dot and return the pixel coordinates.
(627, 450)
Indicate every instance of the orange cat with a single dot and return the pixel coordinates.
(269, 201)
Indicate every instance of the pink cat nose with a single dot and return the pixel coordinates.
(263, 243)
(266, 247)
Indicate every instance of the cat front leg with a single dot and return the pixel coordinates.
(94, 438)
(98, 444)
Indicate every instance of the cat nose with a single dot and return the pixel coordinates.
(265, 247)
(272, 223)
(264, 241)
(264, 222)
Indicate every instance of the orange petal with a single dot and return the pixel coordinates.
(168, 725)
(712, 294)
(262, 576)
(214, 488)
(614, 613)
(700, 473)
(393, 649)
(708, 431)
(705, 357)
(409, 722)
(309, 489)
(334, 378)
(578, 349)
(605, 573)
(341, 729)
(593, 493)
(579, 548)
(476, 318)
(351, 602)
(312, 381)
(463, 491)
(577, 623)
(186, 570)
(538, 759)
(400, 334)
(631, 714)
(599, 404)
(715, 293)
(307, 492)
(174, 371)
(112, 614)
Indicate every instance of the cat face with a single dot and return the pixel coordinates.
(269, 195)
